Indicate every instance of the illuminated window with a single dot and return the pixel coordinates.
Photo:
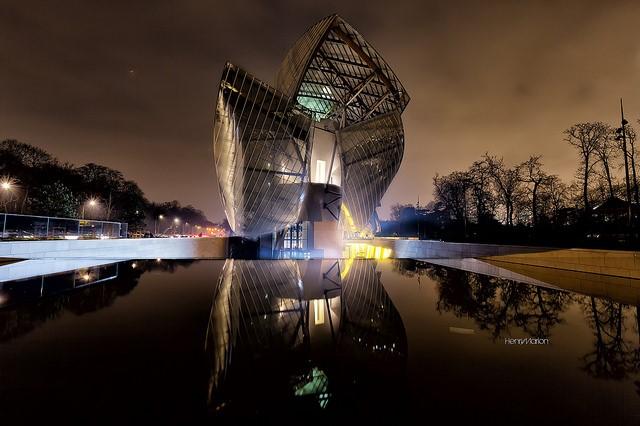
(321, 171)
(318, 312)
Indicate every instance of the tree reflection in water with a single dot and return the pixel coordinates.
(318, 337)
(31, 302)
(498, 305)
(494, 304)
(613, 355)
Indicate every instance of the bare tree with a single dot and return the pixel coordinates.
(557, 194)
(396, 210)
(452, 191)
(606, 152)
(507, 181)
(586, 137)
(633, 152)
(535, 178)
(483, 198)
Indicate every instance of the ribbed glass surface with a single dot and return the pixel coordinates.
(263, 136)
(371, 155)
(262, 145)
(336, 73)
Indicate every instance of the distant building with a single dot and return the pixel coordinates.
(614, 210)
(431, 213)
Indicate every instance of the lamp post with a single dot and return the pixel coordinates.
(155, 225)
(92, 202)
(622, 135)
(8, 186)
(176, 221)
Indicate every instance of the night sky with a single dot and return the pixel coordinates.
(132, 84)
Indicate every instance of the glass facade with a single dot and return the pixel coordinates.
(262, 147)
(296, 236)
(264, 136)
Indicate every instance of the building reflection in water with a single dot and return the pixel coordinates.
(30, 302)
(318, 336)
(507, 308)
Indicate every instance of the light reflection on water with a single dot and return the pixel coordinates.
(364, 339)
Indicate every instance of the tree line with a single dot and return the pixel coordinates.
(35, 182)
(525, 199)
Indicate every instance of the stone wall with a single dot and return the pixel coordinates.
(144, 248)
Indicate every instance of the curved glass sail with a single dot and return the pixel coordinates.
(336, 73)
(262, 144)
(372, 151)
(263, 136)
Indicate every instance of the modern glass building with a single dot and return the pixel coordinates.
(308, 335)
(320, 148)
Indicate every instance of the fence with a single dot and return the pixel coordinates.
(25, 227)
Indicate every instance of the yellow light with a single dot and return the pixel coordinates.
(133, 265)
(349, 220)
(6, 186)
(367, 251)
(176, 220)
(318, 312)
(86, 277)
(160, 217)
(344, 272)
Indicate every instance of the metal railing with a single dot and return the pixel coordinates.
(26, 227)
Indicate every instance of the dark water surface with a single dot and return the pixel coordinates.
(318, 341)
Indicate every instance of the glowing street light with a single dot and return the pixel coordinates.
(159, 218)
(176, 222)
(92, 202)
(7, 185)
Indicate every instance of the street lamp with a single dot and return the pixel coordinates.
(7, 184)
(176, 221)
(92, 202)
(155, 226)
(621, 135)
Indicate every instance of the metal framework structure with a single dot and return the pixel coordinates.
(263, 136)
(267, 310)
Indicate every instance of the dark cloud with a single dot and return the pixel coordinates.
(506, 77)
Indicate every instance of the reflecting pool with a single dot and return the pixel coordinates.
(210, 342)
